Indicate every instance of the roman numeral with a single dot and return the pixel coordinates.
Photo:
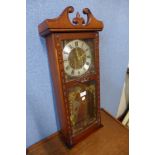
(87, 63)
(67, 67)
(72, 72)
(82, 45)
(76, 43)
(65, 52)
(70, 46)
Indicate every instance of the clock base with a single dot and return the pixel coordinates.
(72, 141)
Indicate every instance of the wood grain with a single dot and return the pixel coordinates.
(112, 139)
(63, 23)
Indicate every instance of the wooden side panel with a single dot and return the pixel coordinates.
(54, 68)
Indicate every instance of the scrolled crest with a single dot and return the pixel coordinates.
(63, 22)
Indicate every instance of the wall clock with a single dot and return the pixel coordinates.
(73, 52)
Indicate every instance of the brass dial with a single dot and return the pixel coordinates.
(77, 58)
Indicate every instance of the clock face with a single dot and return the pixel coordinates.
(77, 58)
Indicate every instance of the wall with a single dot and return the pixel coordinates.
(41, 114)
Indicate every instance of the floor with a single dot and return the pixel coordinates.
(112, 139)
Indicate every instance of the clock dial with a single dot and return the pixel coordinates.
(77, 58)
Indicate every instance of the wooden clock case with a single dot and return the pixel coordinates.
(54, 31)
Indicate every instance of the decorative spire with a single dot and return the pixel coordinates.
(78, 20)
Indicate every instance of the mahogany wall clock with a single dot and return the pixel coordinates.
(73, 51)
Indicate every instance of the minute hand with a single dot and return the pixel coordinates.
(77, 55)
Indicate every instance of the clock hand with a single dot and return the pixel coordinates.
(77, 55)
(75, 63)
(75, 59)
(76, 52)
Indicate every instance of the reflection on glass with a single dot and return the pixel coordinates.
(82, 102)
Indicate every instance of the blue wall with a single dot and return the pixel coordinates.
(41, 114)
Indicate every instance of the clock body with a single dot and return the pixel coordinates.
(73, 52)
